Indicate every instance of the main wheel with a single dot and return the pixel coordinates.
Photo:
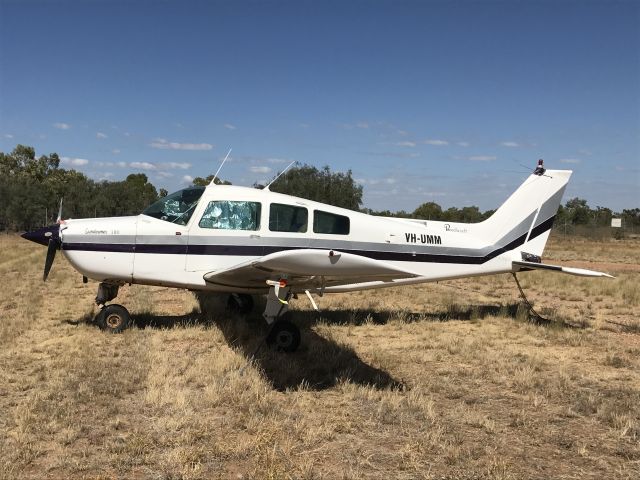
(114, 318)
(284, 336)
(240, 303)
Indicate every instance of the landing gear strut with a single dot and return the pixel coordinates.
(283, 336)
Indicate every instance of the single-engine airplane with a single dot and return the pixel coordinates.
(244, 241)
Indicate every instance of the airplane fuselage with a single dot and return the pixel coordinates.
(143, 249)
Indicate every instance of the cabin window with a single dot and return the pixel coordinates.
(325, 222)
(177, 207)
(231, 215)
(287, 218)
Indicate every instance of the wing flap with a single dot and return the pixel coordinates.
(307, 267)
(523, 266)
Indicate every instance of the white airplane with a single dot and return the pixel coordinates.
(245, 241)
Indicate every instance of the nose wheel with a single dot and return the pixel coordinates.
(284, 336)
(114, 318)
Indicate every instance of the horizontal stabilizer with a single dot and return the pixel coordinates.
(524, 266)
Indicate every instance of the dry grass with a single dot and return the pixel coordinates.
(438, 381)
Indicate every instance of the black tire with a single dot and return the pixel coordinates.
(240, 303)
(284, 337)
(114, 319)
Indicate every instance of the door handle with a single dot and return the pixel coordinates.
(253, 235)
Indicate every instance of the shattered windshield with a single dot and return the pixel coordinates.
(231, 215)
(177, 207)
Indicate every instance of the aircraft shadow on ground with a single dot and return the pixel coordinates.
(321, 362)
(515, 310)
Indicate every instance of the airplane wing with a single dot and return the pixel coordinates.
(307, 268)
(524, 266)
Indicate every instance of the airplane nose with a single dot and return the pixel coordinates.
(43, 235)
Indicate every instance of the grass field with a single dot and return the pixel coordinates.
(444, 380)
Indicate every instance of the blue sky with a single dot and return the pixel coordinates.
(423, 101)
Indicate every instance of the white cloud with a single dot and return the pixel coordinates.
(362, 125)
(260, 169)
(105, 176)
(406, 144)
(74, 162)
(436, 142)
(187, 179)
(8, 135)
(182, 166)
(115, 151)
(101, 135)
(229, 126)
(463, 144)
(570, 160)
(482, 158)
(62, 126)
(165, 174)
(164, 144)
(510, 144)
(376, 181)
(143, 165)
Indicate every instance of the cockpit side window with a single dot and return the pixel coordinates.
(231, 215)
(325, 222)
(287, 218)
(177, 207)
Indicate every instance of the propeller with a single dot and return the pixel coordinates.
(59, 219)
(50, 237)
(54, 245)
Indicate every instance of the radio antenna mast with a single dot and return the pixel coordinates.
(215, 175)
(280, 174)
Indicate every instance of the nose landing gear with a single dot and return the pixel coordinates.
(111, 318)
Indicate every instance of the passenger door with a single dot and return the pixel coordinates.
(227, 233)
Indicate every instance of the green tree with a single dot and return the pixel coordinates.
(428, 211)
(203, 182)
(577, 211)
(334, 188)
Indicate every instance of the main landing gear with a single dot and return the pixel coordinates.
(283, 336)
(112, 318)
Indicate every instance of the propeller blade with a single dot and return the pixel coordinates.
(54, 244)
(59, 219)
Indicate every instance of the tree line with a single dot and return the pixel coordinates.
(30, 189)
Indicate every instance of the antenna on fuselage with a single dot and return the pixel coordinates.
(280, 174)
(215, 175)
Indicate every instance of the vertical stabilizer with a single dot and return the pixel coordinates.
(528, 212)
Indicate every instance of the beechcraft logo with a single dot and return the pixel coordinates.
(423, 238)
